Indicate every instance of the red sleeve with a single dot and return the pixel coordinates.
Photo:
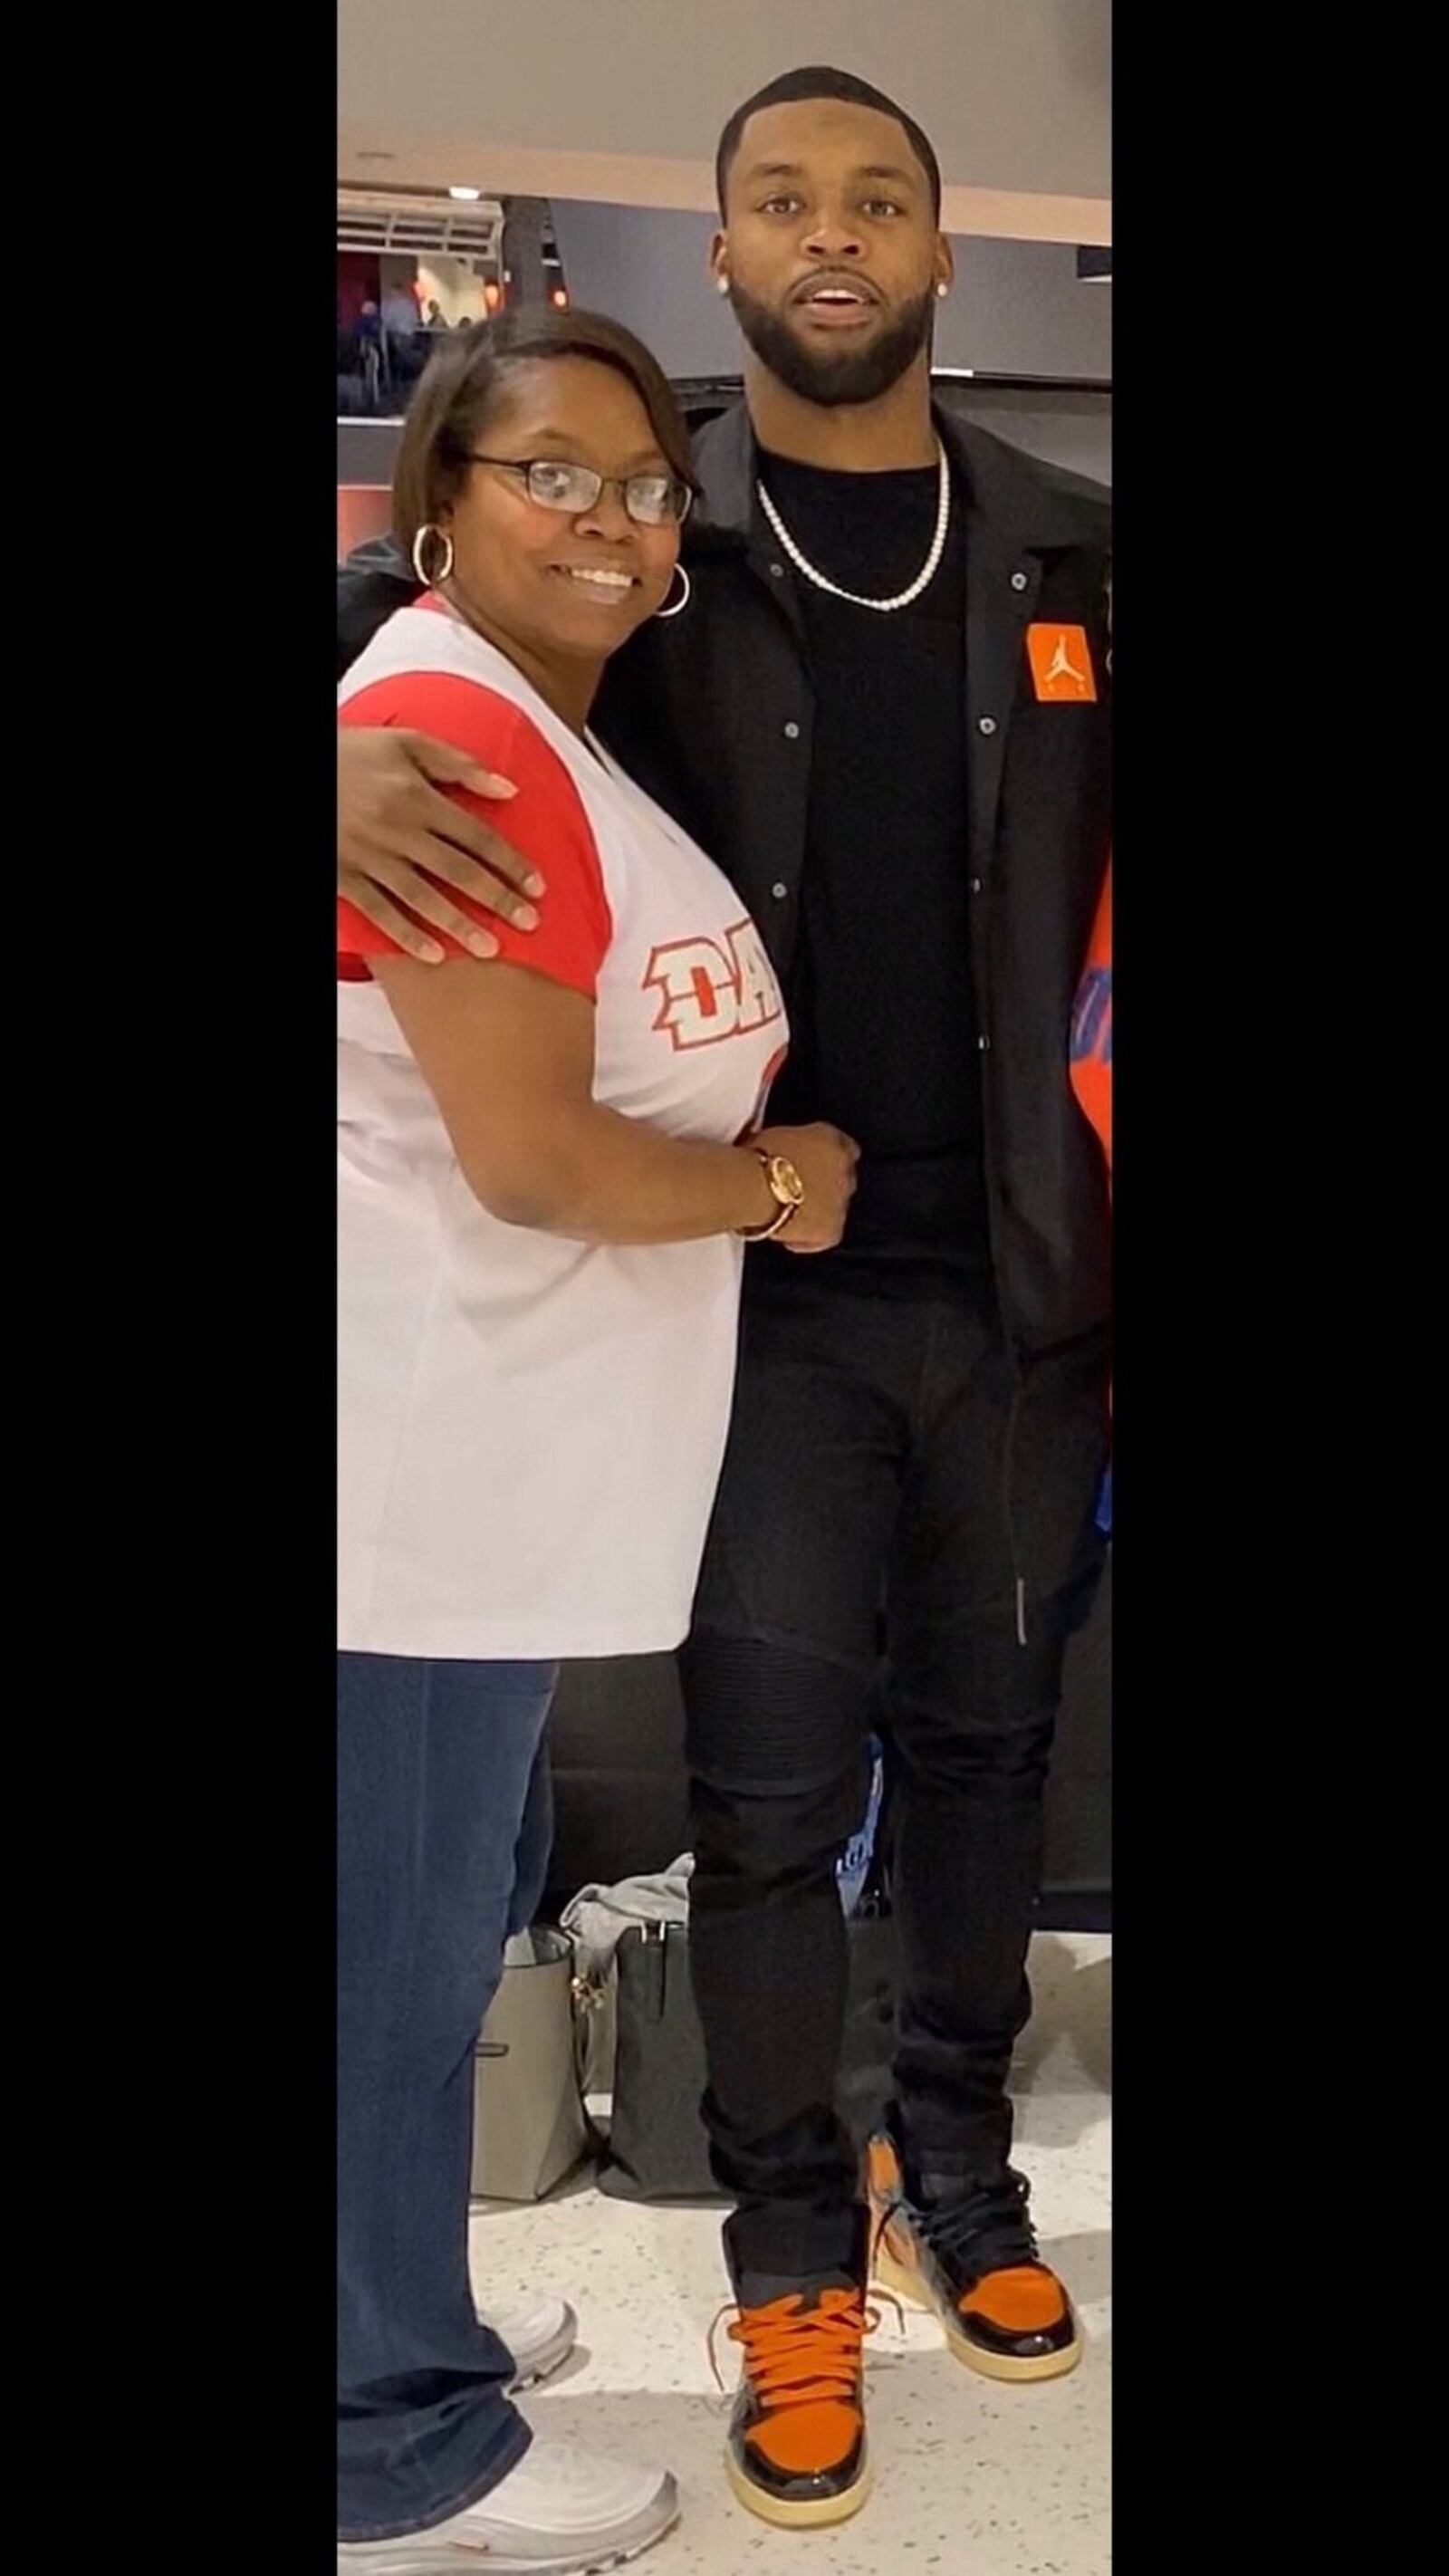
(545, 822)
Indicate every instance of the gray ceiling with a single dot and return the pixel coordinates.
(622, 100)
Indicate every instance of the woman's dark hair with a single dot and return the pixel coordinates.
(818, 80)
(467, 379)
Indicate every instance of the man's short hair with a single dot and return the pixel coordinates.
(818, 80)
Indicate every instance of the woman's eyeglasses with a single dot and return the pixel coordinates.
(652, 500)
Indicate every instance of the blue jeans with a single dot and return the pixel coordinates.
(441, 1848)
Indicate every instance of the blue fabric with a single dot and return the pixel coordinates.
(853, 1867)
(435, 1764)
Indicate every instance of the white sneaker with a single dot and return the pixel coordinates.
(561, 2512)
(540, 2334)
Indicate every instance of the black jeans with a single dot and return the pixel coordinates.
(891, 1487)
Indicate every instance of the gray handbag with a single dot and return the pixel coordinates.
(530, 2127)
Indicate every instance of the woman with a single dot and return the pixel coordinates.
(547, 1166)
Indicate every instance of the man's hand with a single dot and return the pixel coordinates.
(392, 823)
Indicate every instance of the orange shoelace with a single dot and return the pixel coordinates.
(799, 2356)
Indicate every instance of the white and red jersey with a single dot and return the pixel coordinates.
(531, 1429)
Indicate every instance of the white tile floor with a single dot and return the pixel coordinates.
(969, 2476)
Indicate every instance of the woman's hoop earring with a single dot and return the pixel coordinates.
(680, 604)
(430, 580)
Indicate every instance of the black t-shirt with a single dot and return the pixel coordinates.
(882, 1008)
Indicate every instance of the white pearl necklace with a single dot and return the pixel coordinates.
(903, 598)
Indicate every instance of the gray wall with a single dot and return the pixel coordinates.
(1017, 307)
(649, 267)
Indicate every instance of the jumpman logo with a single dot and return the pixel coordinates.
(1063, 667)
(1061, 664)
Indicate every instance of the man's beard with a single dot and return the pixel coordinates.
(828, 378)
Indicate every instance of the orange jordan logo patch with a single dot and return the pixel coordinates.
(1061, 665)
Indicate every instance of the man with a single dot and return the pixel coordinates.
(884, 712)
(368, 340)
(400, 307)
(400, 320)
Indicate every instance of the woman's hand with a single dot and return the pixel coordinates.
(509, 1059)
(826, 1162)
(393, 823)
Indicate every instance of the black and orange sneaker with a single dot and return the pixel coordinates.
(971, 2256)
(796, 2454)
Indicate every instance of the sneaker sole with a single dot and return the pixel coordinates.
(798, 2517)
(412, 2557)
(550, 2358)
(905, 2284)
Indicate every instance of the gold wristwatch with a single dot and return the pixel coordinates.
(786, 1189)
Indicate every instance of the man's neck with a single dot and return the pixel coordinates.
(879, 437)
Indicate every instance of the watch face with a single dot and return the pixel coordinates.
(785, 1181)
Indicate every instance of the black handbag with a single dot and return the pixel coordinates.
(658, 2149)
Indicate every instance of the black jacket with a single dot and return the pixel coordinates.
(711, 711)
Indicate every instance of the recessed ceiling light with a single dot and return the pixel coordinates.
(469, 196)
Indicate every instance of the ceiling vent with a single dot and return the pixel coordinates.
(407, 227)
